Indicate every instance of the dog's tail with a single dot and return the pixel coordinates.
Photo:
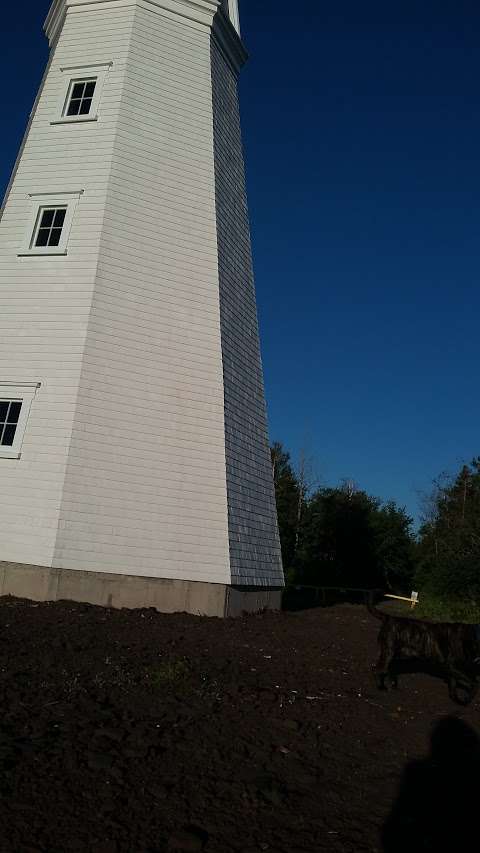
(371, 599)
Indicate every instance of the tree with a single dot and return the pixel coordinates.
(351, 539)
(306, 481)
(449, 546)
(337, 540)
(288, 496)
(339, 536)
(395, 547)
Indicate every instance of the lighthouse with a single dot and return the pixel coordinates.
(134, 458)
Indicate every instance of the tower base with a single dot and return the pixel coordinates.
(41, 583)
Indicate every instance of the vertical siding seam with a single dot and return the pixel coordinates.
(222, 354)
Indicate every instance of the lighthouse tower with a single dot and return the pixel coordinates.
(134, 459)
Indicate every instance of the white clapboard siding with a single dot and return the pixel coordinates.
(146, 452)
(152, 462)
(46, 301)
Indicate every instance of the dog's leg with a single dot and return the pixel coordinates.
(461, 688)
(380, 676)
(473, 690)
(393, 678)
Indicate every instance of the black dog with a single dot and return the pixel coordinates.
(452, 648)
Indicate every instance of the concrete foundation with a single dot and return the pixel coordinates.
(40, 583)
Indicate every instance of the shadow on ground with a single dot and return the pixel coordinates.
(437, 807)
(306, 598)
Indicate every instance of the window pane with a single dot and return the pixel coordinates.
(4, 404)
(14, 412)
(59, 217)
(89, 89)
(85, 107)
(47, 218)
(42, 237)
(55, 235)
(9, 434)
(73, 108)
(77, 90)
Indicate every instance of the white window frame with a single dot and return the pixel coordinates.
(77, 73)
(38, 201)
(24, 392)
(84, 81)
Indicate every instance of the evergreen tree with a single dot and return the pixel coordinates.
(449, 547)
(351, 539)
(287, 493)
(395, 547)
(340, 536)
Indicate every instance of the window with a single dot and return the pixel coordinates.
(49, 223)
(80, 97)
(49, 227)
(80, 93)
(15, 403)
(9, 415)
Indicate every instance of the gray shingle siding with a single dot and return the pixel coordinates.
(253, 532)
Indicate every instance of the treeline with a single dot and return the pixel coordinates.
(448, 551)
(342, 536)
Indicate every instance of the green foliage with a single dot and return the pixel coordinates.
(287, 493)
(344, 537)
(449, 546)
(340, 536)
(350, 539)
(336, 546)
(395, 546)
(447, 610)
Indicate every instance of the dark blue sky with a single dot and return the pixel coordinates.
(362, 135)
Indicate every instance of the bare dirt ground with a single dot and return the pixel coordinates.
(135, 732)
